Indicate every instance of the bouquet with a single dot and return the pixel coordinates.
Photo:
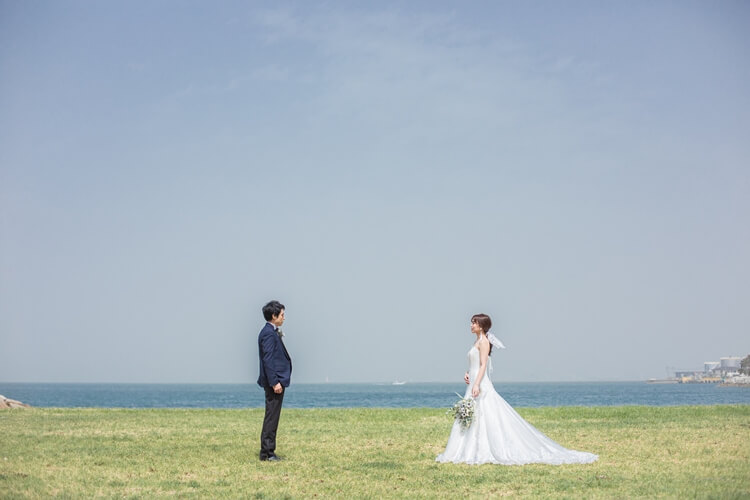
(463, 411)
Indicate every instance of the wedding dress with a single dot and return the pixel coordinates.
(499, 435)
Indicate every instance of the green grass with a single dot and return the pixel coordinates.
(674, 452)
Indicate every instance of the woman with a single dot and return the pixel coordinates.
(498, 434)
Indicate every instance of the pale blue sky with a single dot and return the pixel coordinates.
(577, 170)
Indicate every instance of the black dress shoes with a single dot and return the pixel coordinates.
(272, 458)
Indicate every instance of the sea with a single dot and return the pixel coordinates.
(374, 395)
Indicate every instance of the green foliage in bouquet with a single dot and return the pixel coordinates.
(463, 411)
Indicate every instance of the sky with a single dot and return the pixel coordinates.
(580, 171)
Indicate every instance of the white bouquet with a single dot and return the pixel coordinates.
(463, 411)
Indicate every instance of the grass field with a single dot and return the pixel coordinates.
(674, 452)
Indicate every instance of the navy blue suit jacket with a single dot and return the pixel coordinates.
(275, 363)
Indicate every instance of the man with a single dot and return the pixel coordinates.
(275, 375)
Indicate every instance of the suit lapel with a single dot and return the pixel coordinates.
(281, 341)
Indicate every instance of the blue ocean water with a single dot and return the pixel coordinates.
(410, 395)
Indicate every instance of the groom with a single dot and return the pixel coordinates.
(275, 374)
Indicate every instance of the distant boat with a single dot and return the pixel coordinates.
(397, 382)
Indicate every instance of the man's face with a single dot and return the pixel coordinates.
(278, 320)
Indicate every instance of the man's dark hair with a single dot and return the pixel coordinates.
(272, 309)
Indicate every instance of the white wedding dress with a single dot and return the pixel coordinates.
(499, 435)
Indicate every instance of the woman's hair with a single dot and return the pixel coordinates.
(272, 309)
(484, 322)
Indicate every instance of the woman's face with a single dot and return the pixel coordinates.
(475, 328)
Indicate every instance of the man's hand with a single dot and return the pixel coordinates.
(466, 378)
(278, 389)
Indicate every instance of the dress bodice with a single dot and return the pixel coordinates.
(473, 356)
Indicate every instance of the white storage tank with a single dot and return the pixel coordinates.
(730, 362)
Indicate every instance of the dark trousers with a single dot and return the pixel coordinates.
(270, 422)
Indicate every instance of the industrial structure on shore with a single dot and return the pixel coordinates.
(727, 370)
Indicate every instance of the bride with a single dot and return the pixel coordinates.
(498, 434)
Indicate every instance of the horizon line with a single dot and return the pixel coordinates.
(376, 382)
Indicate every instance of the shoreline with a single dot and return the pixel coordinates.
(363, 409)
